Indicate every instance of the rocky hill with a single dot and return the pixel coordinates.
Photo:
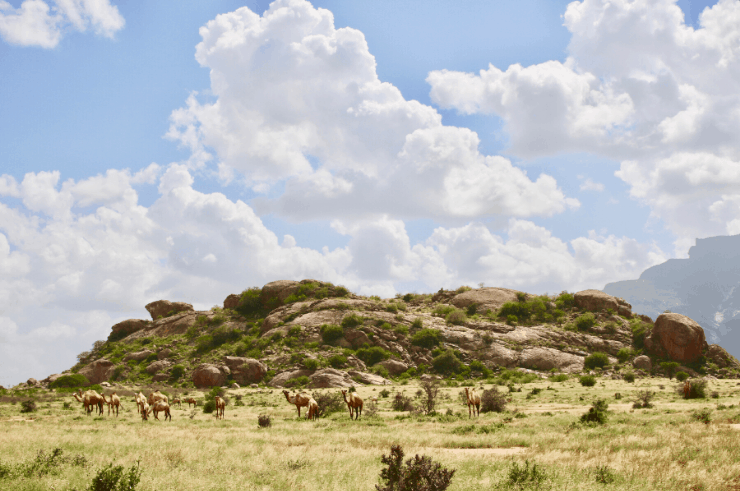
(312, 333)
(705, 287)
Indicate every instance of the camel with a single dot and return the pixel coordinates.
(157, 396)
(473, 402)
(89, 400)
(220, 407)
(354, 404)
(192, 401)
(140, 400)
(313, 409)
(160, 406)
(177, 401)
(300, 400)
(115, 401)
(145, 410)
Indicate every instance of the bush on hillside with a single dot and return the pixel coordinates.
(352, 320)
(70, 381)
(625, 354)
(456, 317)
(331, 333)
(565, 301)
(585, 321)
(447, 363)
(596, 360)
(372, 355)
(426, 338)
(249, 302)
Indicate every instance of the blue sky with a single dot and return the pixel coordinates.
(553, 145)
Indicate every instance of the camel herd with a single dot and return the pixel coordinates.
(157, 403)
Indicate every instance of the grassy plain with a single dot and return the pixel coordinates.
(663, 448)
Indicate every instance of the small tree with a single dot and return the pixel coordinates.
(669, 367)
(597, 413)
(644, 398)
(492, 401)
(429, 397)
(417, 474)
(681, 376)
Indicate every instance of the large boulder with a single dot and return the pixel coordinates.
(165, 353)
(717, 355)
(32, 382)
(124, 328)
(677, 337)
(643, 362)
(274, 294)
(232, 301)
(549, 358)
(158, 366)
(165, 308)
(394, 367)
(282, 378)
(208, 375)
(138, 355)
(368, 378)
(330, 378)
(595, 300)
(485, 298)
(245, 370)
(98, 371)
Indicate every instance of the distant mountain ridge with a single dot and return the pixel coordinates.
(703, 287)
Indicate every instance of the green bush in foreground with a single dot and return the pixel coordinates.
(111, 478)
(418, 473)
(597, 413)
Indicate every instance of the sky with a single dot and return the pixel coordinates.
(188, 150)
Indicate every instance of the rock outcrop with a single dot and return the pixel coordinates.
(124, 328)
(232, 301)
(98, 371)
(158, 366)
(393, 366)
(208, 375)
(485, 298)
(643, 362)
(245, 370)
(274, 293)
(595, 300)
(548, 358)
(720, 357)
(138, 355)
(282, 378)
(165, 308)
(330, 378)
(677, 337)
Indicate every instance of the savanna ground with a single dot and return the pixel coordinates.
(665, 447)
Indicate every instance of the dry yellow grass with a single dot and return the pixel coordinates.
(660, 448)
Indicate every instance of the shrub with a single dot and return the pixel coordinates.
(331, 333)
(264, 421)
(604, 475)
(587, 380)
(443, 310)
(478, 366)
(703, 415)
(28, 406)
(456, 317)
(447, 363)
(644, 398)
(472, 309)
(402, 403)
(426, 338)
(402, 330)
(352, 320)
(565, 300)
(311, 363)
(560, 377)
(597, 413)
(429, 396)
(595, 360)
(511, 319)
(629, 377)
(492, 401)
(520, 310)
(625, 354)
(419, 473)
(639, 330)
(669, 367)
(694, 388)
(209, 406)
(297, 382)
(70, 381)
(177, 371)
(585, 321)
(337, 361)
(329, 402)
(418, 323)
(111, 478)
(372, 355)
(525, 477)
(385, 393)
(681, 376)
(249, 302)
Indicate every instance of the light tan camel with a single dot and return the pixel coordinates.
(354, 404)
(114, 401)
(177, 401)
(140, 400)
(157, 396)
(144, 410)
(313, 409)
(300, 400)
(473, 401)
(220, 407)
(192, 401)
(160, 406)
(89, 400)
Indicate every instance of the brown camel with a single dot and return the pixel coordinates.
(473, 402)
(354, 404)
(156, 396)
(192, 401)
(220, 407)
(160, 406)
(300, 400)
(313, 409)
(114, 401)
(177, 401)
(144, 410)
(89, 400)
